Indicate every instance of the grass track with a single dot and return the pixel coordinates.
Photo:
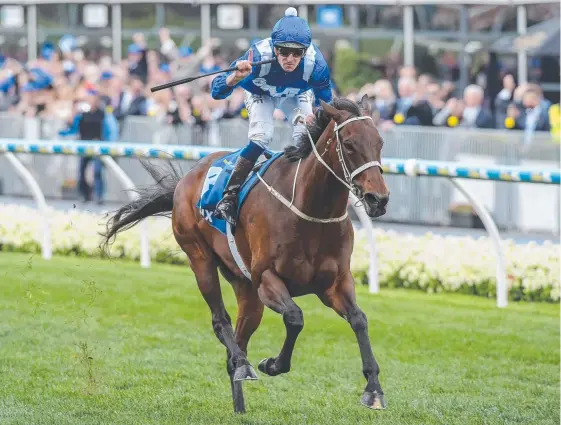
(99, 342)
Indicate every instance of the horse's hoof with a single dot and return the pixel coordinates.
(245, 372)
(269, 367)
(262, 366)
(265, 366)
(373, 400)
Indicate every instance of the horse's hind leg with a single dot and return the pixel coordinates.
(204, 267)
(341, 298)
(274, 295)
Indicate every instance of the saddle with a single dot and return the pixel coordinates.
(268, 155)
(217, 178)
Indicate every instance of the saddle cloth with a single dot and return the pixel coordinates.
(215, 182)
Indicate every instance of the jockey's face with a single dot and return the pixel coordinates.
(289, 58)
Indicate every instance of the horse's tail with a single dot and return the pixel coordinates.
(155, 200)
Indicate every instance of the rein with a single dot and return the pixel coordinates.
(349, 176)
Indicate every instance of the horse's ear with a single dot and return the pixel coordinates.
(365, 105)
(331, 111)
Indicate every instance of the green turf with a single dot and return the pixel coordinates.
(100, 342)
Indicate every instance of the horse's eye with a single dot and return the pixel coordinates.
(349, 144)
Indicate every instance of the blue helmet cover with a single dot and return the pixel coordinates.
(291, 29)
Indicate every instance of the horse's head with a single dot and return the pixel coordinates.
(359, 150)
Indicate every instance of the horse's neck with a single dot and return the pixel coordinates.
(317, 190)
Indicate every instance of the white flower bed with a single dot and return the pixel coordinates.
(436, 263)
(431, 263)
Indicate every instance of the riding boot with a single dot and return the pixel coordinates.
(227, 208)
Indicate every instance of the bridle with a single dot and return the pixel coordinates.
(348, 175)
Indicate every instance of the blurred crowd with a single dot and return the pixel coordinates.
(65, 81)
(421, 100)
(58, 84)
(92, 96)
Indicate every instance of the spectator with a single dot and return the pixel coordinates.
(137, 60)
(61, 108)
(9, 87)
(92, 123)
(503, 99)
(423, 82)
(407, 72)
(183, 98)
(160, 105)
(410, 109)
(37, 87)
(468, 113)
(533, 116)
(200, 111)
(449, 69)
(109, 89)
(132, 100)
(385, 99)
(434, 97)
(235, 106)
(519, 94)
(183, 62)
(383, 102)
(555, 122)
(403, 72)
(447, 90)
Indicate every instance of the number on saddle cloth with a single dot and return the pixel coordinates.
(216, 180)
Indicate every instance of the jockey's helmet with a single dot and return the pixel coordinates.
(291, 31)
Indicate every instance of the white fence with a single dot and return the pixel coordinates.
(412, 167)
(415, 201)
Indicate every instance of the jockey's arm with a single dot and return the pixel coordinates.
(220, 89)
(323, 93)
(224, 84)
(321, 84)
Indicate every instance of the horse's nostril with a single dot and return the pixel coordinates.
(383, 200)
(371, 198)
(376, 199)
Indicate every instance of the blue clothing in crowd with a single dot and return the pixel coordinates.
(109, 131)
(87, 126)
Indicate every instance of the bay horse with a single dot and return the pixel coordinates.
(288, 252)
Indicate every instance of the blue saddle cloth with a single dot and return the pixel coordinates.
(215, 182)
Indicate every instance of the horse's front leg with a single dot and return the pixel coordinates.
(341, 298)
(273, 294)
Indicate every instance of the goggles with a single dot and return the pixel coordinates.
(287, 51)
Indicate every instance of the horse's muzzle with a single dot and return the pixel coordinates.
(375, 203)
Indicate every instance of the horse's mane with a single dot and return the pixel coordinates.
(303, 147)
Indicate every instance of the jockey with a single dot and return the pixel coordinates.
(298, 75)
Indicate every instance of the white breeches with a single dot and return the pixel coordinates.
(260, 110)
